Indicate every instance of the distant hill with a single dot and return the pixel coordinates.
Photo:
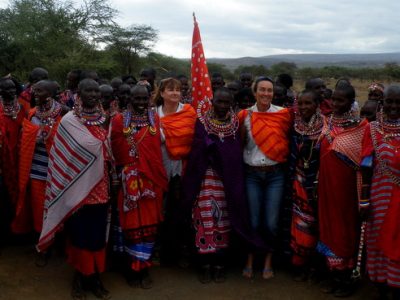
(313, 60)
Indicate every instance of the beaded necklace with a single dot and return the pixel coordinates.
(10, 109)
(343, 121)
(90, 117)
(312, 129)
(389, 128)
(220, 128)
(47, 117)
(132, 123)
(379, 127)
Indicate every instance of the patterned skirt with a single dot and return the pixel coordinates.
(210, 215)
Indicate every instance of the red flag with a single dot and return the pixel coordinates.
(201, 84)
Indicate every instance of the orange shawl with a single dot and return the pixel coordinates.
(270, 131)
(26, 152)
(178, 129)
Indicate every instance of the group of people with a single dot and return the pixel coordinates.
(118, 169)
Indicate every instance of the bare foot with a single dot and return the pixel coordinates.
(268, 274)
(248, 273)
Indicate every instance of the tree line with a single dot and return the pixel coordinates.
(61, 36)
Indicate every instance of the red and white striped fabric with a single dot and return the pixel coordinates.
(76, 166)
(210, 215)
(384, 191)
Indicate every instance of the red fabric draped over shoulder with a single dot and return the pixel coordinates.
(22, 222)
(178, 129)
(270, 131)
(150, 159)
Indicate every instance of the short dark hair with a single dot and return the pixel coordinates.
(259, 79)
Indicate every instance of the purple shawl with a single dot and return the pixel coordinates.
(226, 158)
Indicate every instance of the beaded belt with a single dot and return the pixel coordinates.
(272, 168)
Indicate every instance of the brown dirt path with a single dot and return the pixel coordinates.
(21, 279)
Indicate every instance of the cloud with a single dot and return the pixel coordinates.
(259, 27)
(238, 28)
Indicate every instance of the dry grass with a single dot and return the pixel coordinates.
(361, 87)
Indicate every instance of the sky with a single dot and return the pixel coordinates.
(234, 28)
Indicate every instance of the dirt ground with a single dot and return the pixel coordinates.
(21, 279)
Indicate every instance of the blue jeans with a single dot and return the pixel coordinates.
(264, 196)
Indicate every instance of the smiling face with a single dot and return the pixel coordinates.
(89, 93)
(171, 94)
(264, 92)
(391, 103)
(307, 105)
(139, 99)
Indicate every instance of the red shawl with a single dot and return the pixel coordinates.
(25, 98)
(270, 131)
(26, 151)
(337, 190)
(179, 130)
(149, 148)
(10, 133)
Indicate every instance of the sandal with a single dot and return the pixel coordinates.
(248, 273)
(268, 273)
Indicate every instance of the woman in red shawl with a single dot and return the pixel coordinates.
(265, 130)
(304, 165)
(38, 132)
(177, 122)
(381, 195)
(12, 115)
(136, 145)
(340, 154)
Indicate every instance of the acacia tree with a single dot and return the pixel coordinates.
(127, 44)
(54, 34)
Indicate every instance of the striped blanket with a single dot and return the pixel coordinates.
(76, 165)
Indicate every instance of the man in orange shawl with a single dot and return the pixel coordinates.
(36, 140)
(177, 123)
(12, 115)
(136, 145)
(265, 132)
